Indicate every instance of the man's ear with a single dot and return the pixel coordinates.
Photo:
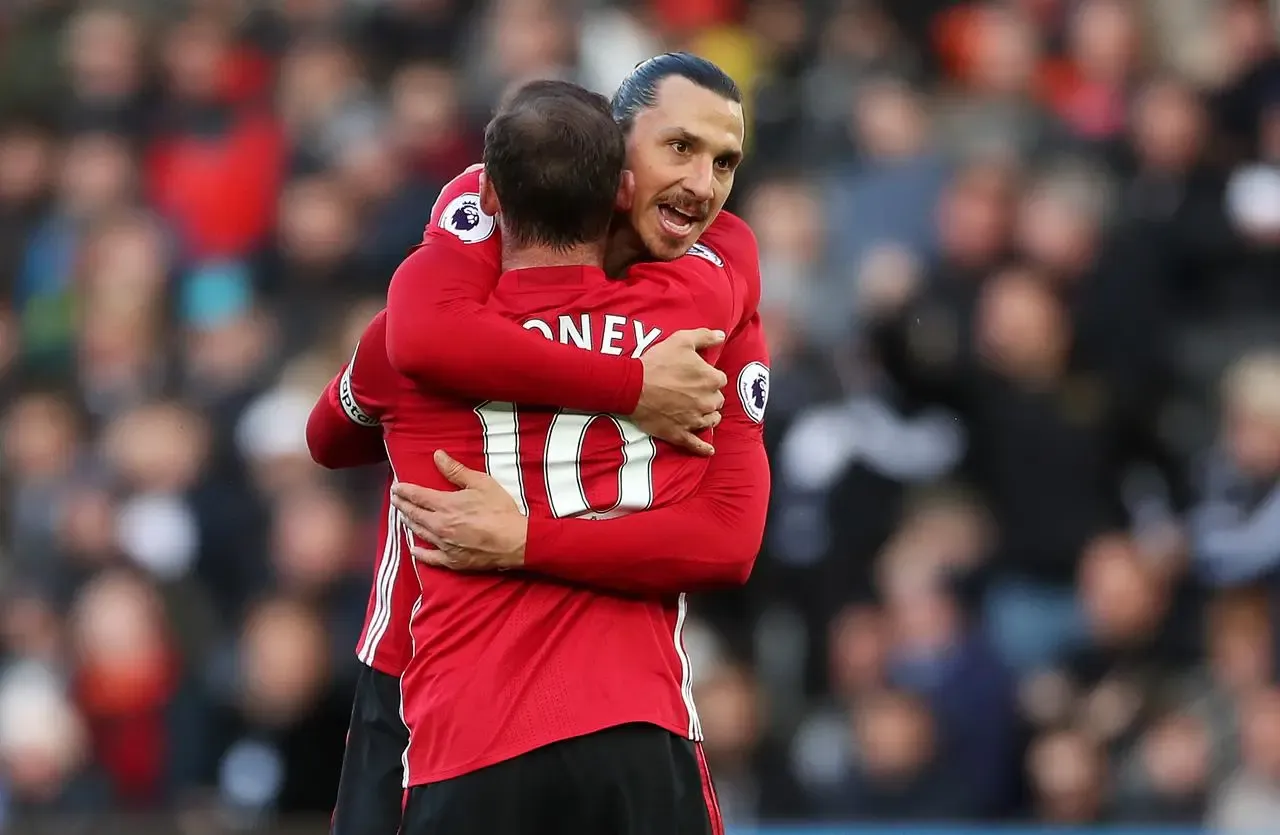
(488, 197)
(626, 191)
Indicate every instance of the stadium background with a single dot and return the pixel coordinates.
(1020, 276)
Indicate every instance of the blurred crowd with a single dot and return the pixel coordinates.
(1021, 269)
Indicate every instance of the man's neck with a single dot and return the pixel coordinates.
(515, 257)
(625, 248)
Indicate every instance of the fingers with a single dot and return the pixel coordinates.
(694, 444)
(711, 377)
(433, 556)
(419, 520)
(414, 496)
(454, 559)
(706, 405)
(703, 422)
(418, 529)
(454, 471)
(701, 338)
(430, 556)
(437, 539)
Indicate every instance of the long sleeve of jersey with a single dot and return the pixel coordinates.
(440, 333)
(710, 539)
(343, 429)
(334, 440)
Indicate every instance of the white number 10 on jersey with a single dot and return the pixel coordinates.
(561, 460)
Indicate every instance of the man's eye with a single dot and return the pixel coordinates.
(680, 146)
(724, 164)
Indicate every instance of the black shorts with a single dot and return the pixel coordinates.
(371, 792)
(629, 780)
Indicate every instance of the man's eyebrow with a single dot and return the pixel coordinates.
(685, 135)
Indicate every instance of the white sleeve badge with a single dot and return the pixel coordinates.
(706, 253)
(464, 219)
(753, 389)
(347, 397)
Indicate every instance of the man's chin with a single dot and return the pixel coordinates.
(664, 247)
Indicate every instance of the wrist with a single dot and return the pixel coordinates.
(516, 556)
(538, 538)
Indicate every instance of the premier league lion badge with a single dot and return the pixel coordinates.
(464, 219)
(753, 389)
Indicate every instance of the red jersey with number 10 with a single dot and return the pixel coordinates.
(472, 246)
(505, 663)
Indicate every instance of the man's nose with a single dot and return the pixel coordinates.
(699, 181)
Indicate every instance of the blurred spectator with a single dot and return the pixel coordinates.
(103, 53)
(177, 519)
(216, 161)
(856, 43)
(1171, 774)
(1068, 777)
(129, 686)
(97, 179)
(428, 122)
(282, 740)
(1249, 206)
(44, 753)
(1176, 195)
(899, 776)
(27, 164)
(1249, 69)
(939, 654)
(41, 447)
(322, 99)
(885, 198)
(312, 267)
(1252, 796)
(123, 288)
(1103, 51)
(522, 40)
(1234, 530)
(401, 31)
(1110, 687)
(312, 542)
(752, 779)
(230, 341)
(996, 112)
(1241, 659)
(786, 215)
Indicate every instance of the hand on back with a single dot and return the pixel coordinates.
(682, 392)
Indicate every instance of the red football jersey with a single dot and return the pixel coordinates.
(503, 664)
(706, 539)
(428, 319)
(342, 434)
(384, 641)
(632, 555)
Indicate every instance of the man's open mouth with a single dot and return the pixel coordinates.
(676, 222)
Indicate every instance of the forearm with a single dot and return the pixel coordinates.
(335, 442)
(710, 540)
(440, 333)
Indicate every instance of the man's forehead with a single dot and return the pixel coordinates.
(682, 106)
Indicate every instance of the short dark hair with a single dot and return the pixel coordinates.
(639, 90)
(555, 156)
